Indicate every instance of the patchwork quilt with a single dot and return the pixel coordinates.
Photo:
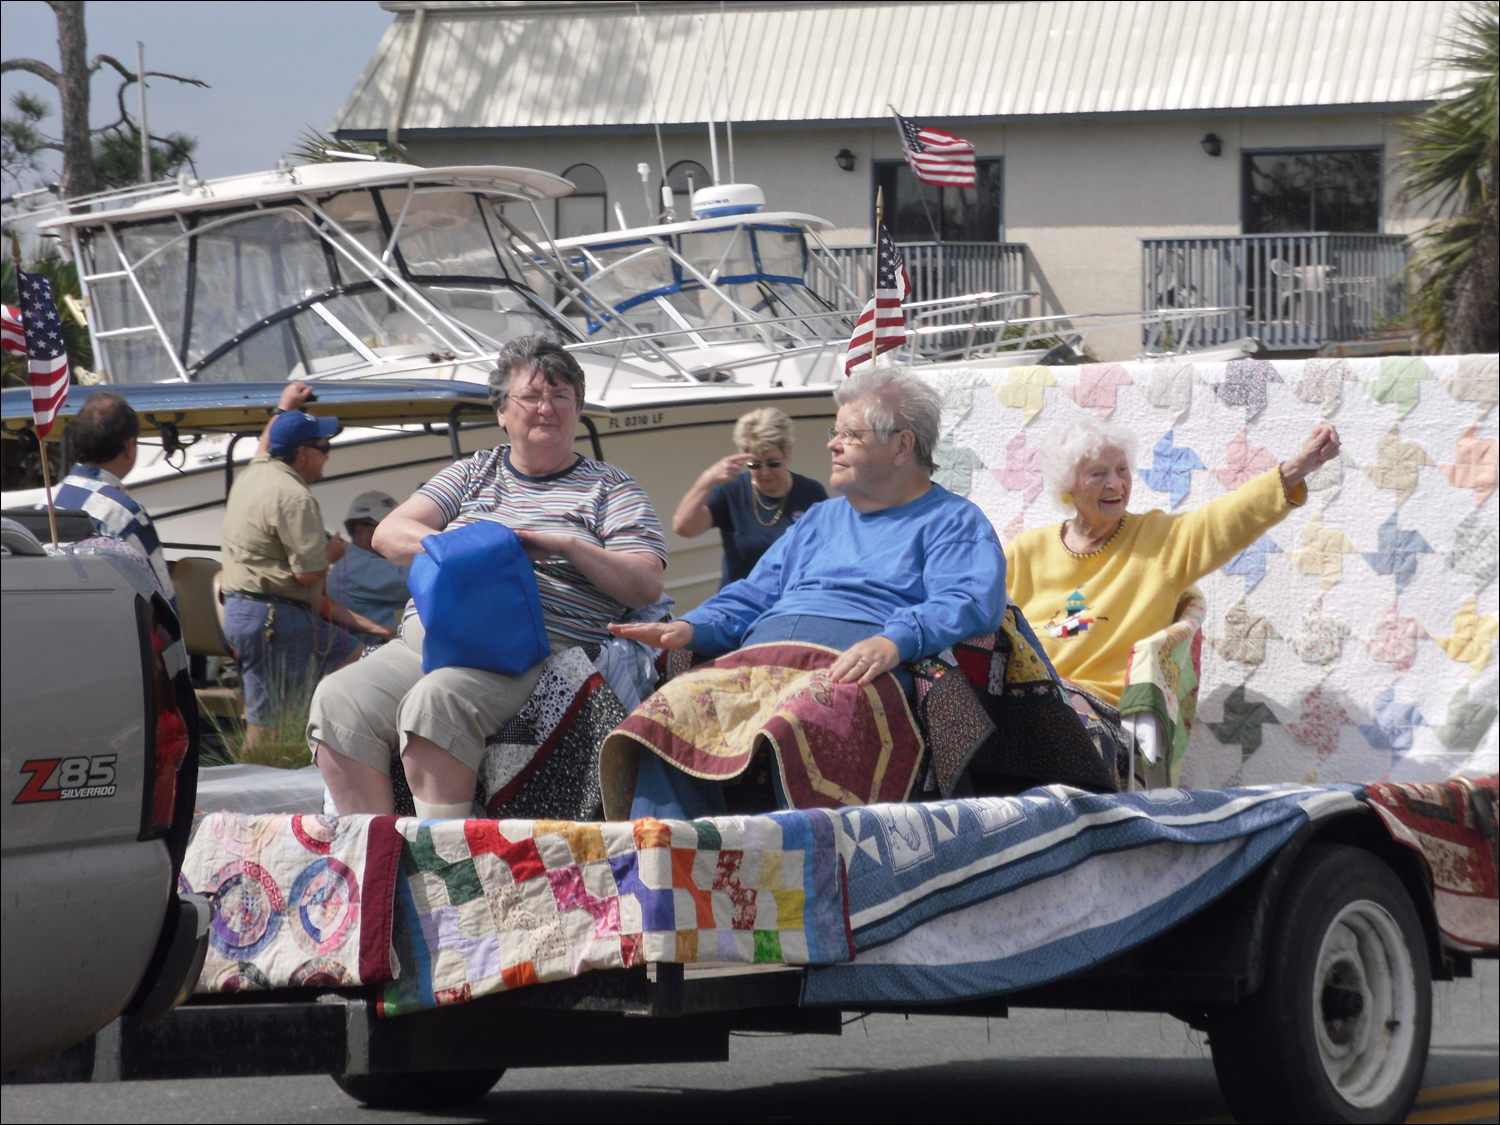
(1355, 641)
(447, 911)
(486, 906)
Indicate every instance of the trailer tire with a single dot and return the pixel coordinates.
(1339, 1029)
(425, 1090)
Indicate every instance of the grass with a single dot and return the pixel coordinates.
(284, 745)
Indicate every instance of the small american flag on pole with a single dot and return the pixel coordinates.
(881, 326)
(937, 158)
(47, 358)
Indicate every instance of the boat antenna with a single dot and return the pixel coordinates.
(661, 153)
(728, 90)
(708, 90)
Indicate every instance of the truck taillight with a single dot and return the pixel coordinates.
(167, 740)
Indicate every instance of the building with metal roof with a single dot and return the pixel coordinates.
(1098, 123)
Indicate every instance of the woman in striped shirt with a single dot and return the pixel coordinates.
(598, 553)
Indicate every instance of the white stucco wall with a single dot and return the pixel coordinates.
(1080, 193)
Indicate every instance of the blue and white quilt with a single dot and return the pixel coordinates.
(959, 899)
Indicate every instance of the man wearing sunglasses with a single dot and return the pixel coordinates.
(276, 556)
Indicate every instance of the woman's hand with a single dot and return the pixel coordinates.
(541, 546)
(861, 663)
(657, 634)
(692, 517)
(1322, 447)
(724, 471)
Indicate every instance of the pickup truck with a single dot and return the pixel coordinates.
(100, 763)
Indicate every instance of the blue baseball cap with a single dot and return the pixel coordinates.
(298, 427)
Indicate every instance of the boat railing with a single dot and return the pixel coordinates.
(1164, 332)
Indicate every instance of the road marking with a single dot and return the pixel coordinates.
(1470, 1112)
(1459, 1090)
(1467, 1112)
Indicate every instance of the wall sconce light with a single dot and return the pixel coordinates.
(845, 159)
(1211, 144)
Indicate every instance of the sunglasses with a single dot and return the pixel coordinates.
(762, 464)
(322, 447)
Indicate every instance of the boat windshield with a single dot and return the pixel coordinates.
(292, 290)
(736, 283)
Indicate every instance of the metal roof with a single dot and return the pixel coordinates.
(520, 66)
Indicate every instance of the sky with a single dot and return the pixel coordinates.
(273, 67)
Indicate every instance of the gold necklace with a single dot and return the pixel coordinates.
(1061, 534)
(780, 504)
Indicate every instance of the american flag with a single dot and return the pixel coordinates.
(937, 158)
(13, 339)
(881, 326)
(47, 358)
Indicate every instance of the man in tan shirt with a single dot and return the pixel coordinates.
(276, 555)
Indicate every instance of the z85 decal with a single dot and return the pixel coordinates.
(68, 779)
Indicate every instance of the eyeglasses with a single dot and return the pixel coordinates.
(762, 464)
(846, 437)
(560, 402)
(322, 447)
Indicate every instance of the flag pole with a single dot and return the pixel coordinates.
(41, 446)
(875, 273)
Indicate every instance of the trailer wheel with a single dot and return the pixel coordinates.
(1339, 1028)
(426, 1090)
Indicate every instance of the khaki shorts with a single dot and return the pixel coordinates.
(368, 710)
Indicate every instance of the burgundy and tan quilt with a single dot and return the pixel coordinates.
(1451, 825)
(834, 744)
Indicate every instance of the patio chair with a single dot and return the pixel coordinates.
(201, 614)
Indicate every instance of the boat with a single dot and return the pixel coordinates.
(380, 271)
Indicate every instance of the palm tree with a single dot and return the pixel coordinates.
(1452, 163)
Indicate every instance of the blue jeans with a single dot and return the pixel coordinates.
(282, 651)
(664, 791)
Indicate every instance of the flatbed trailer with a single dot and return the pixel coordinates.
(1298, 1032)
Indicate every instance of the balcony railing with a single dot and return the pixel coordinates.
(1299, 291)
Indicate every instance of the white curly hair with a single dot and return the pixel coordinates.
(1068, 446)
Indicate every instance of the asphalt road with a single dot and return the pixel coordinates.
(1035, 1066)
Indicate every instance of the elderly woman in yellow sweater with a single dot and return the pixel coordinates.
(1095, 584)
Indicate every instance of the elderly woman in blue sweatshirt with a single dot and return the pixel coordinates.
(895, 568)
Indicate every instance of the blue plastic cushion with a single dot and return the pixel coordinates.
(477, 595)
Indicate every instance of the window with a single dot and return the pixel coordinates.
(684, 178)
(1335, 190)
(583, 212)
(913, 209)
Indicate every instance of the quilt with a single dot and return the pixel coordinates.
(959, 899)
(1353, 642)
(487, 906)
(1165, 669)
(301, 901)
(834, 743)
(1451, 825)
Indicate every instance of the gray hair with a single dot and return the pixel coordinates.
(763, 429)
(535, 353)
(1068, 446)
(894, 401)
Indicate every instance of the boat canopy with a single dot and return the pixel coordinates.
(170, 409)
(732, 278)
(328, 270)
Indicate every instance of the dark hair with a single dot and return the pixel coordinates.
(285, 456)
(536, 353)
(101, 428)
